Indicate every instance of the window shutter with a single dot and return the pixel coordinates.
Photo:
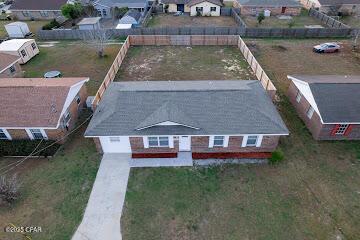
(211, 141)
(259, 141)
(226, 141)
(348, 130)
(171, 141)
(335, 129)
(146, 142)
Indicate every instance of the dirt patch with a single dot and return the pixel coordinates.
(168, 20)
(184, 63)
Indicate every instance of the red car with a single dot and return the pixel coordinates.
(327, 48)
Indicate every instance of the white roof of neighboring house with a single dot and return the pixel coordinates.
(89, 21)
(123, 26)
(16, 24)
(13, 44)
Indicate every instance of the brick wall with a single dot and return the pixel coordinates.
(98, 145)
(137, 146)
(292, 11)
(18, 133)
(8, 74)
(318, 130)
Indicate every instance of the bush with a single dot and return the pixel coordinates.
(291, 24)
(260, 17)
(51, 25)
(25, 147)
(276, 157)
(9, 189)
(72, 11)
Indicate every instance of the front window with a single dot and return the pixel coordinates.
(310, 112)
(12, 69)
(199, 9)
(37, 134)
(3, 135)
(213, 9)
(33, 45)
(67, 118)
(78, 99)
(23, 53)
(341, 129)
(104, 12)
(158, 141)
(26, 13)
(218, 141)
(44, 13)
(251, 141)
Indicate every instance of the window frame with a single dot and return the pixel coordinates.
(33, 137)
(44, 13)
(251, 137)
(310, 112)
(199, 9)
(211, 9)
(298, 96)
(26, 13)
(23, 53)
(341, 129)
(78, 99)
(7, 135)
(12, 68)
(104, 12)
(222, 139)
(158, 140)
(33, 46)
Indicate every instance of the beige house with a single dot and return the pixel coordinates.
(23, 48)
(276, 7)
(193, 7)
(334, 6)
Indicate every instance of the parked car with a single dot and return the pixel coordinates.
(327, 48)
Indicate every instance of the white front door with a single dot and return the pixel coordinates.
(184, 143)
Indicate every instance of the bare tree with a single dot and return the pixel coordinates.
(97, 38)
(356, 36)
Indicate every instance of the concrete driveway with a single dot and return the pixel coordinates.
(103, 211)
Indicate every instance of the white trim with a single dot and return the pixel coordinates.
(43, 133)
(171, 141)
(29, 133)
(200, 135)
(244, 140)
(7, 134)
(146, 142)
(259, 140)
(12, 64)
(167, 123)
(226, 141)
(211, 141)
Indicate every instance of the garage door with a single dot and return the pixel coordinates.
(115, 144)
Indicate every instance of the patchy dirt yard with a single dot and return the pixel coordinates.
(168, 20)
(285, 57)
(184, 63)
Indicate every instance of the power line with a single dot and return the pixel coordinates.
(34, 153)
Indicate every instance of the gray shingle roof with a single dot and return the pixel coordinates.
(123, 3)
(338, 2)
(272, 3)
(212, 107)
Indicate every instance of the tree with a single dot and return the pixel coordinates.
(97, 39)
(260, 17)
(120, 12)
(72, 11)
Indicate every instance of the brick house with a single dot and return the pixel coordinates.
(334, 7)
(37, 9)
(39, 108)
(210, 119)
(276, 7)
(9, 66)
(329, 105)
(193, 7)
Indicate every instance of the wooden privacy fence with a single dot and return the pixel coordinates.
(110, 76)
(185, 40)
(325, 19)
(257, 69)
(237, 18)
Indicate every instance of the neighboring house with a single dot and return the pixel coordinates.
(194, 7)
(23, 48)
(92, 23)
(129, 20)
(37, 9)
(276, 7)
(106, 8)
(334, 7)
(210, 119)
(329, 105)
(40, 108)
(9, 66)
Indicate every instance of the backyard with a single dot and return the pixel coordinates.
(184, 63)
(300, 21)
(313, 194)
(54, 191)
(352, 21)
(72, 59)
(34, 26)
(168, 20)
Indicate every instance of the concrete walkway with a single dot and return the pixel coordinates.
(103, 211)
(184, 159)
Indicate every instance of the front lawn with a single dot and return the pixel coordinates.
(54, 191)
(313, 194)
(72, 59)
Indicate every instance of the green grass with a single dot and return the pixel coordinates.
(73, 59)
(54, 192)
(34, 26)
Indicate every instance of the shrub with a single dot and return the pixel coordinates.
(72, 11)
(9, 189)
(25, 147)
(120, 12)
(291, 23)
(276, 157)
(260, 17)
(51, 25)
